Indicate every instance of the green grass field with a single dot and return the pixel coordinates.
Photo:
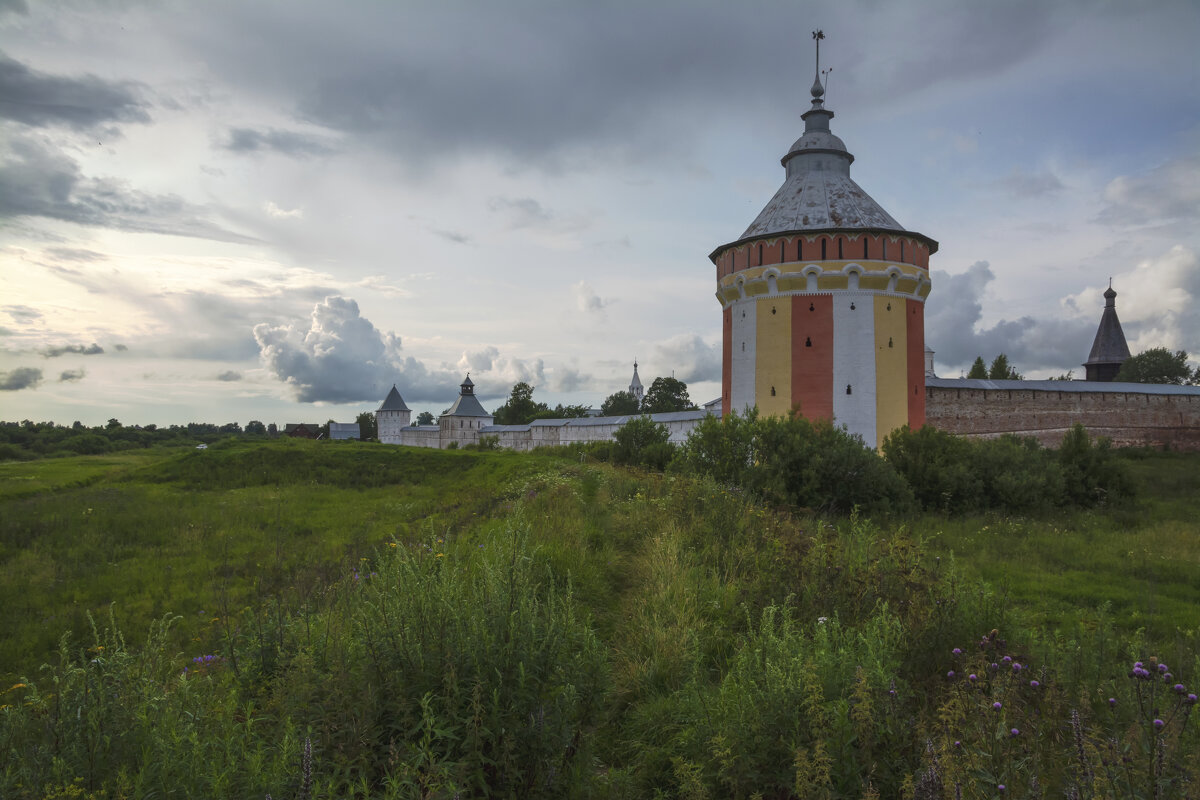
(686, 621)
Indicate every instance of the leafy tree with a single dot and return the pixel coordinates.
(367, 430)
(1069, 375)
(978, 369)
(1001, 370)
(113, 424)
(520, 408)
(256, 428)
(570, 412)
(425, 418)
(666, 394)
(619, 404)
(272, 429)
(1159, 365)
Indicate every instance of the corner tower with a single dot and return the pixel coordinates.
(1109, 349)
(823, 297)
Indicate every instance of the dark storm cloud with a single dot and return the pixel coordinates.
(20, 378)
(38, 99)
(563, 85)
(22, 313)
(37, 180)
(76, 349)
(288, 143)
(952, 328)
(72, 375)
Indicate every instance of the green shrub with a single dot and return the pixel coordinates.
(1091, 472)
(642, 441)
(793, 461)
(957, 475)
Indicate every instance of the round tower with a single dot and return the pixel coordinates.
(823, 298)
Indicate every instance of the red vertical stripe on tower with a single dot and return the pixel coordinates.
(915, 318)
(726, 359)
(812, 355)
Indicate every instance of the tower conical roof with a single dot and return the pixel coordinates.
(393, 402)
(636, 382)
(1109, 346)
(817, 193)
(466, 404)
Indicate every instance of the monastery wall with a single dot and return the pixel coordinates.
(1128, 418)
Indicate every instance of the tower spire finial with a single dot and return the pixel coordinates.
(817, 88)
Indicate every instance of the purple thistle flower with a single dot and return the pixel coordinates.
(996, 706)
(972, 677)
(1007, 659)
(1014, 732)
(1191, 698)
(1179, 687)
(1034, 684)
(1168, 677)
(950, 674)
(957, 743)
(993, 666)
(1016, 667)
(1162, 667)
(1137, 665)
(1158, 724)
(957, 651)
(1112, 701)
(1000, 788)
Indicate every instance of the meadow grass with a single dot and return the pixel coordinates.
(427, 617)
(1137, 562)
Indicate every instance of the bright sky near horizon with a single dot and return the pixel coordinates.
(232, 210)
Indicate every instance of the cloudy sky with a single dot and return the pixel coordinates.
(233, 210)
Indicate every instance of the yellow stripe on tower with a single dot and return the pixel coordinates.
(891, 366)
(773, 372)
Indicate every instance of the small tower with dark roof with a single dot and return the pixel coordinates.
(463, 421)
(1109, 349)
(635, 386)
(391, 417)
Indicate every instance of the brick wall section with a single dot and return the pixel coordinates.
(1129, 419)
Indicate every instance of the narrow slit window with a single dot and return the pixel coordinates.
(848, 389)
(808, 342)
(852, 306)
(823, 249)
(865, 255)
(760, 255)
(772, 391)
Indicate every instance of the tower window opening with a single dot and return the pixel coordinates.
(823, 249)
(865, 255)
(772, 310)
(811, 307)
(799, 249)
(889, 341)
(760, 255)
(743, 347)
(852, 306)
(848, 390)
(808, 341)
(885, 249)
(772, 391)
(901, 249)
